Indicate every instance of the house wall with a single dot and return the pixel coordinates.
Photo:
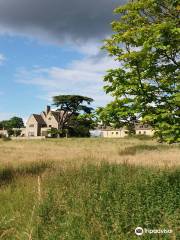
(148, 132)
(23, 131)
(113, 133)
(51, 121)
(4, 133)
(123, 133)
(32, 128)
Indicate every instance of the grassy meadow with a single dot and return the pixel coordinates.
(88, 189)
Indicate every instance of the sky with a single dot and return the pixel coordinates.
(52, 47)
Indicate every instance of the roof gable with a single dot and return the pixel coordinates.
(39, 119)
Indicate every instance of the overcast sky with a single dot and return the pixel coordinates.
(50, 47)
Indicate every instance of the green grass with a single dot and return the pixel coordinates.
(88, 203)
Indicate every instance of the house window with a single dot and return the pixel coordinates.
(50, 125)
(112, 133)
(31, 125)
(126, 132)
(116, 133)
(139, 132)
(144, 132)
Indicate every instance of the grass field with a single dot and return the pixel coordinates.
(88, 189)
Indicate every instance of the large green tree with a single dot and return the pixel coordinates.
(146, 42)
(72, 106)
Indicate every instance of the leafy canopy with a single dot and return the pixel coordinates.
(146, 42)
(73, 103)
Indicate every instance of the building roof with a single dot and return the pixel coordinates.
(111, 129)
(39, 119)
(58, 115)
(143, 127)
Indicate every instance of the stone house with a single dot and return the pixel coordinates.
(39, 124)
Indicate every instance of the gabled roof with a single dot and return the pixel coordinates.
(39, 119)
(143, 127)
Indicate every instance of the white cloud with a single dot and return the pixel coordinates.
(2, 58)
(83, 77)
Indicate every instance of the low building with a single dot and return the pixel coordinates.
(140, 129)
(144, 129)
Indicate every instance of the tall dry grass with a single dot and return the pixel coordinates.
(82, 151)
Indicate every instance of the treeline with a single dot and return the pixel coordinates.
(12, 126)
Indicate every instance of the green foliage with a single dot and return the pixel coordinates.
(146, 43)
(54, 132)
(16, 122)
(5, 124)
(79, 126)
(73, 103)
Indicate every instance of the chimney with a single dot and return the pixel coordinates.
(48, 109)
